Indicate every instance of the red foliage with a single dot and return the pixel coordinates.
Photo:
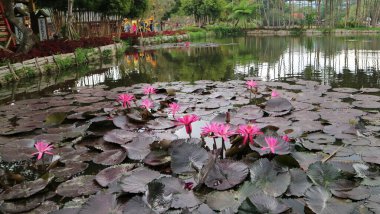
(50, 47)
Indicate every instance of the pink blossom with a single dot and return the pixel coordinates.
(42, 148)
(174, 108)
(147, 103)
(272, 144)
(286, 138)
(275, 94)
(210, 129)
(224, 131)
(149, 89)
(248, 132)
(187, 120)
(125, 99)
(251, 84)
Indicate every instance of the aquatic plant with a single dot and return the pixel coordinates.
(187, 120)
(125, 100)
(248, 132)
(147, 104)
(275, 94)
(42, 148)
(174, 108)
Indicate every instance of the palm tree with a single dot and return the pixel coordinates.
(242, 11)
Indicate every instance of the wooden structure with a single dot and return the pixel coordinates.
(6, 34)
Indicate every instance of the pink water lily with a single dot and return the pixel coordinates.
(272, 144)
(42, 148)
(187, 120)
(248, 132)
(147, 103)
(224, 131)
(286, 138)
(275, 94)
(126, 99)
(174, 108)
(251, 84)
(210, 129)
(149, 89)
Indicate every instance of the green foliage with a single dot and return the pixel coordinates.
(49, 68)
(221, 30)
(8, 77)
(202, 9)
(106, 54)
(297, 31)
(26, 72)
(64, 63)
(244, 11)
(121, 51)
(4, 62)
(81, 55)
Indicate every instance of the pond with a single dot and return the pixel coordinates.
(248, 125)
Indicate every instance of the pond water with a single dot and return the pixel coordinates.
(303, 146)
(339, 61)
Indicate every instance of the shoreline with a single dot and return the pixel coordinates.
(310, 32)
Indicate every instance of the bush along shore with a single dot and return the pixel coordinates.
(41, 65)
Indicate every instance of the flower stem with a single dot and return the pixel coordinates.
(214, 146)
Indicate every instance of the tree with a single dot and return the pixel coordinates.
(28, 39)
(204, 11)
(243, 11)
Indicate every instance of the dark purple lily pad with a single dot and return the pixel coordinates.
(319, 200)
(157, 158)
(82, 185)
(320, 138)
(46, 207)
(267, 204)
(365, 97)
(70, 169)
(139, 148)
(101, 204)
(186, 156)
(25, 189)
(345, 90)
(24, 205)
(135, 181)
(357, 194)
(113, 173)
(110, 157)
(137, 205)
(304, 115)
(226, 174)
(323, 174)
(161, 124)
(120, 136)
(270, 178)
(335, 105)
(250, 112)
(309, 126)
(79, 155)
(304, 159)
(299, 183)
(278, 106)
(123, 123)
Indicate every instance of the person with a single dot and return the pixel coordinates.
(162, 24)
(127, 27)
(134, 28)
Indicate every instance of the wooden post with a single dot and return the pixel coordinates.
(37, 65)
(15, 77)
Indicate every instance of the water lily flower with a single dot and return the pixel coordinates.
(187, 120)
(174, 108)
(42, 148)
(125, 99)
(272, 144)
(275, 94)
(210, 129)
(248, 132)
(188, 186)
(149, 89)
(286, 138)
(251, 84)
(147, 103)
(224, 131)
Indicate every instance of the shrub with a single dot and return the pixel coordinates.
(106, 54)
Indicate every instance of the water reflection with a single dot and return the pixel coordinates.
(338, 61)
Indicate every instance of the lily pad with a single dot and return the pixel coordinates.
(25, 189)
(120, 136)
(100, 204)
(323, 174)
(267, 204)
(278, 106)
(139, 148)
(226, 174)
(270, 178)
(135, 181)
(281, 148)
(186, 156)
(110, 157)
(319, 200)
(299, 183)
(250, 112)
(137, 205)
(82, 185)
(70, 169)
(157, 158)
(366, 104)
(55, 118)
(161, 124)
(358, 193)
(113, 173)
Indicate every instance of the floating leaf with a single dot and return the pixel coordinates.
(250, 112)
(367, 104)
(267, 204)
(297, 205)
(282, 147)
(25, 189)
(358, 193)
(100, 204)
(55, 118)
(320, 201)
(110, 157)
(139, 148)
(186, 156)
(135, 181)
(161, 124)
(70, 169)
(137, 205)
(120, 136)
(226, 174)
(323, 173)
(111, 174)
(82, 185)
(157, 157)
(278, 106)
(304, 159)
(299, 182)
(270, 178)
